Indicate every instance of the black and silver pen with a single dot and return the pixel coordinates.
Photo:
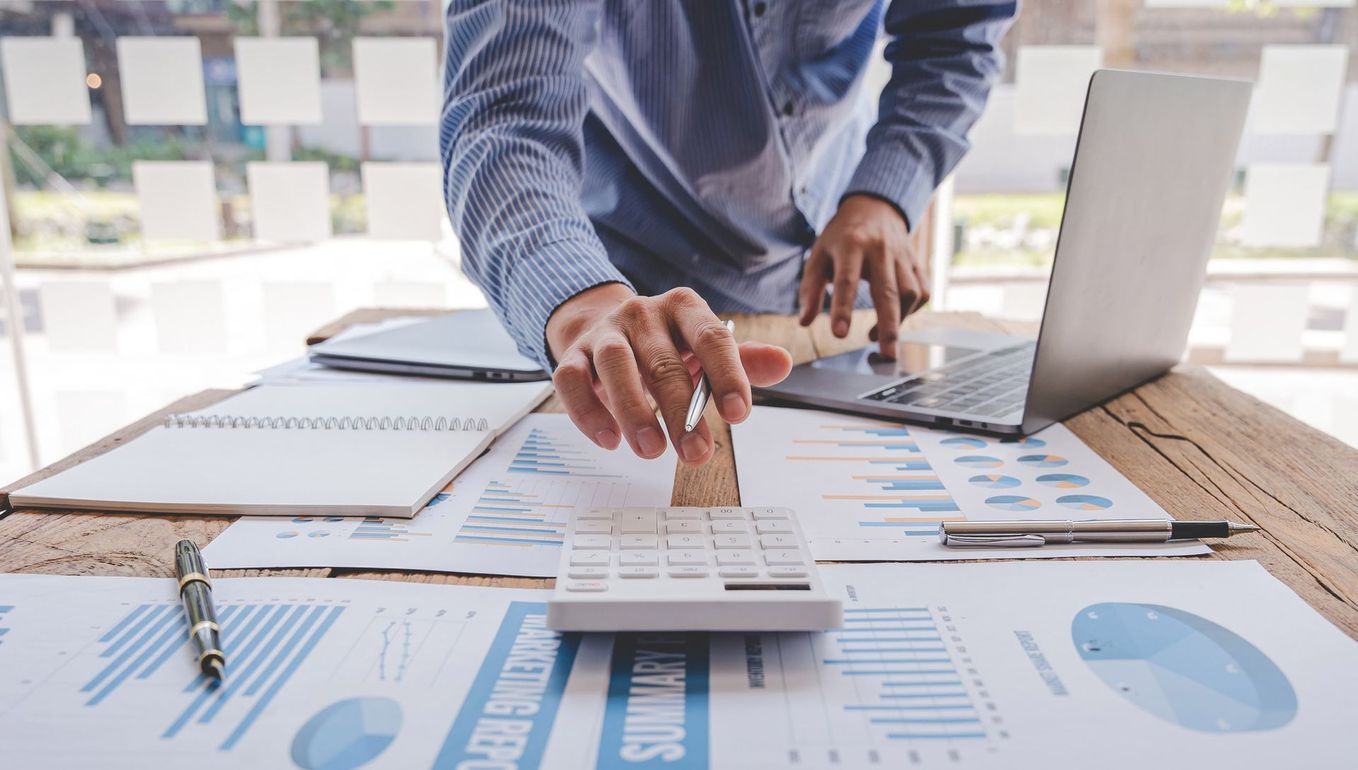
(701, 392)
(1021, 534)
(195, 590)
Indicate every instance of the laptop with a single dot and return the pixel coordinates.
(1154, 159)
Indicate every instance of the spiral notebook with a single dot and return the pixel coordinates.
(325, 450)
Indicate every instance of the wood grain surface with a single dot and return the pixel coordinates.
(1201, 449)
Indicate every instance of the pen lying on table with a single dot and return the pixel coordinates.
(196, 592)
(1021, 534)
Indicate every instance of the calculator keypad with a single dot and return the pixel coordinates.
(683, 543)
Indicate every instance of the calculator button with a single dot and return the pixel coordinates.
(725, 513)
(729, 527)
(735, 557)
(787, 572)
(638, 572)
(777, 541)
(688, 572)
(683, 513)
(589, 558)
(685, 541)
(692, 526)
(634, 558)
(586, 585)
(687, 558)
(731, 541)
(593, 527)
(738, 572)
(784, 557)
(597, 514)
(639, 541)
(769, 513)
(591, 542)
(638, 523)
(773, 527)
(587, 573)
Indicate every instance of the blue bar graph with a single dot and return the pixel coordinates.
(544, 454)
(4, 608)
(512, 515)
(908, 684)
(265, 644)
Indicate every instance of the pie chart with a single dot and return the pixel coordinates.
(347, 734)
(979, 461)
(1085, 502)
(1043, 461)
(1183, 668)
(994, 481)
(1027, 443)
(1013, 503)
(1063, 480)
(964, 442)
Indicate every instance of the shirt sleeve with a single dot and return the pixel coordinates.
(510, 138)
(944, 56)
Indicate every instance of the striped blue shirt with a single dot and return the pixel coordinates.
(700, 143)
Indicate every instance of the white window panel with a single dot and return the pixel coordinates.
(162, 80)
(78, 316)
(1050, 85)
(178, 200)
(1285, 204)
(396, 80)
(190, 316)
(1299, 89)
(1267, 322)
(45, 80)
(289, 202)
(404, 200)
(280, 80)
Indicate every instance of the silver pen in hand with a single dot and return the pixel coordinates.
(196, 592)
(701, 392)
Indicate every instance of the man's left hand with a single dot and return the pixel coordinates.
(866, 239)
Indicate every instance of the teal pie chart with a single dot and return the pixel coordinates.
(964, 442)
(1183, 668)
(347, 734)
(1013, 503)
(994, 481)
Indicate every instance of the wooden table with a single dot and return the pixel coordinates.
(1199, 448)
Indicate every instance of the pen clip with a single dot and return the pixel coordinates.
(996, 541)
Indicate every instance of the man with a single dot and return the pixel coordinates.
(619, 170)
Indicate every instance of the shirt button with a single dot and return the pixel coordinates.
(759, 9)
(787, 109)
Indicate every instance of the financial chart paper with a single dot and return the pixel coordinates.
(1119, 665)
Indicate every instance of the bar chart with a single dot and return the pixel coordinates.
(265, 644)
(517, 514)
(4, 609)
(547, 453)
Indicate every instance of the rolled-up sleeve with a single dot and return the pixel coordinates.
(944, 56)
(515, 99)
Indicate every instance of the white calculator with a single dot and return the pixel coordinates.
(689, 569)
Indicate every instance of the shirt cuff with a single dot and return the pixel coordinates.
(539, 282)
(894, 176)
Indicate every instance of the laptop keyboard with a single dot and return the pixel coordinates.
(994, 385)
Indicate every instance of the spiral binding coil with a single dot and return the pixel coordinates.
(325, 423)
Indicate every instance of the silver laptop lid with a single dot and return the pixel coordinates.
(1154, 160)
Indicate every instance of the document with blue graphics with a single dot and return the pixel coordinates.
(1121, 665)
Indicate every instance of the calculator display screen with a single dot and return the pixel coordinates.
(768, 587)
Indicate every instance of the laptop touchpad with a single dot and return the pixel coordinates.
(911, 358)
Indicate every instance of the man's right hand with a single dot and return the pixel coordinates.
(613, 348)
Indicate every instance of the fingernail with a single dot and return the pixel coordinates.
(650, 441)
(841, 328)
(606, 438)
(733, 407)
(693, 447)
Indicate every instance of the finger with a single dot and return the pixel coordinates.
(909, 288)
(848, 269)
(815, 274)
(886, 299)
(669, 382)
(616, 366)
(924, 296)
(574, 381)
(765, 365)
(715, 347)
